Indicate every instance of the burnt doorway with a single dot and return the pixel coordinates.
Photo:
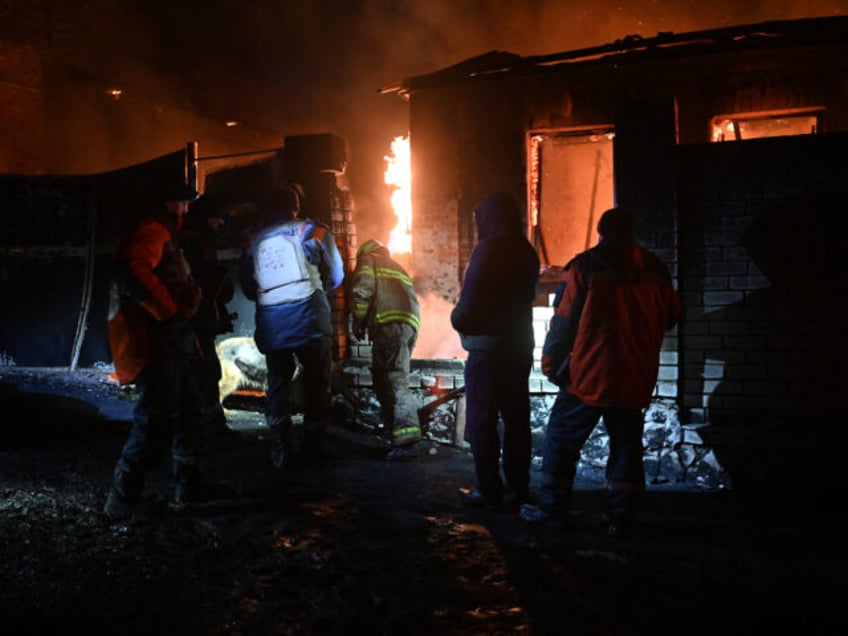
(570, 183)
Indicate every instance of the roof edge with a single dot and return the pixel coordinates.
(798, 31)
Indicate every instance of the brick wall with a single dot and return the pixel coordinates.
(435, 251)
(344, 230)
(760, 276)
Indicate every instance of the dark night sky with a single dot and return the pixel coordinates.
(291, 63)
(306, 66)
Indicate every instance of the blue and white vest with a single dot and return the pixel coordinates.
(282, 272)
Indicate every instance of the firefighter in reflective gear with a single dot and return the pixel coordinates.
(385, 304)
(289, 268)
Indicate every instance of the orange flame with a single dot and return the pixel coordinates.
(398, 177)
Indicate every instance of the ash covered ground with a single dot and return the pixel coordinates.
(358, 544)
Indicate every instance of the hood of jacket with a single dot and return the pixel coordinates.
(498, 215)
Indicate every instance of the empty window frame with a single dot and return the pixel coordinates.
(570, 183)
(757, 125)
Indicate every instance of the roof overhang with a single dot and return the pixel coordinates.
(763, 35)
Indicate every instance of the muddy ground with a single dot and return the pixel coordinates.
(356, 544)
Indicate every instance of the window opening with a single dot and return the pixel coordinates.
(758, 125)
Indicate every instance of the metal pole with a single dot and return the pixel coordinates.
(88, 284)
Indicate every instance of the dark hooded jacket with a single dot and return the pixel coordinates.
(495, 307)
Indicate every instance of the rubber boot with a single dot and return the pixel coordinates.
(282, 443)
(406, 427)
(622, 501)
(554, 500)
(184, 473)
(124, 493)
(406, 435)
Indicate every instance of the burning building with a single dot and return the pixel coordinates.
(728, 145)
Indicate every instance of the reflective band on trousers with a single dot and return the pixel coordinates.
(406, 434)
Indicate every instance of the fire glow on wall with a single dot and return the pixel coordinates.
(398, 177)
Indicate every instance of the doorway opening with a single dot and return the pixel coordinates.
(570, 184)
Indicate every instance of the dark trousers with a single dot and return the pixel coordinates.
(208, 372)
(496, 389)
(168, 413)
(316, 358)
(207, 369)
(570, 424)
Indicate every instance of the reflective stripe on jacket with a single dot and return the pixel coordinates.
(383, 292)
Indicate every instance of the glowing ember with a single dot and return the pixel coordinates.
(398, 176)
